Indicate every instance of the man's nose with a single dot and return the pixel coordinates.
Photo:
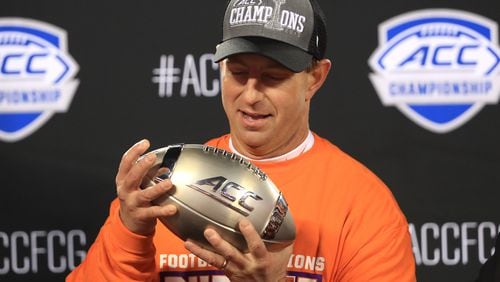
(253, 90)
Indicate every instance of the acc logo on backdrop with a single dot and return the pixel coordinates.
(36, 76)
(439, 67)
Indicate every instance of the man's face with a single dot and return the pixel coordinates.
(267, 105)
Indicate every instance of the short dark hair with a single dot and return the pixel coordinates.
(314, 64)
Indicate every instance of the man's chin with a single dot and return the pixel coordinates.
(251, 140)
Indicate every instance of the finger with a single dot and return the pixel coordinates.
(130, 157)
(208, 256)
(223, 248)
(154, 192)
(160, 211)
(135, 175)
(143, 220)
(255, 244)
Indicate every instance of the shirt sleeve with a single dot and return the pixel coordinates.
(388, 258)
(117, 254)
(379, 241)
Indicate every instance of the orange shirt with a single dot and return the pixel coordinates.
(349, 228)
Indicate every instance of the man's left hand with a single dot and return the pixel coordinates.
(259, 264)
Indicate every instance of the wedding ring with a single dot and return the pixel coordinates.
(224, 264)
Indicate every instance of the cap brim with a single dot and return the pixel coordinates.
(289, 56)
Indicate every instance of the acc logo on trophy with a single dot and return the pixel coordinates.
(36, 76)
(439, 67)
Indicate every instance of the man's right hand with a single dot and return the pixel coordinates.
(137, 212)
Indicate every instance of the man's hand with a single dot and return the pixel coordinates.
(259, 264)
(137, 212)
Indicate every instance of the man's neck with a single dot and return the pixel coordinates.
(297, 151)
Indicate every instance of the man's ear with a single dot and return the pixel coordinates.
(317, 76)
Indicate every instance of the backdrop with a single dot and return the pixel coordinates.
(414, 99)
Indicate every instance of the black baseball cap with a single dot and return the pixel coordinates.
(291, 32)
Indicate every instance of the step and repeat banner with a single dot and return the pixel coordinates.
(413, 94)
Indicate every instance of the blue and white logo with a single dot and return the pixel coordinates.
(439, 67)
(36, 76)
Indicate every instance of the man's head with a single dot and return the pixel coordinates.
(291, 32)
(272, 64)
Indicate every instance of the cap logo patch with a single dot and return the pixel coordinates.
(250, 12)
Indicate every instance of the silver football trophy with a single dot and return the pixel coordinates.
(215, 188)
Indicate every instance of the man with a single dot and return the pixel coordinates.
(349, 226)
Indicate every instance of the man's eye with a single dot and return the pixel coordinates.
(238, 72)
(274, 77)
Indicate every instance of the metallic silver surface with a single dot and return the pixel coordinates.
(216, 188)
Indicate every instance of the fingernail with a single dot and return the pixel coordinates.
(150, 157)
(188, 245)
(163, 185)
(171, 209)
(209, 233)
(143, 143)
(244, 223)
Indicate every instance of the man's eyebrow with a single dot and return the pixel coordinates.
(271, 65)
(233, 61)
